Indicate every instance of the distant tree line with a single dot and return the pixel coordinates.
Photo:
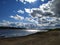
(5, 27)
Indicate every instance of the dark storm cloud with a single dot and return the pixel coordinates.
(55, 7)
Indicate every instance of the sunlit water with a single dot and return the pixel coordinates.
(16, 33)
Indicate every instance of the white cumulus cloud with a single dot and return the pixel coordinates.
(42, 0)
(17, 17)
(5, 23)
(30, 1)
(25, 1)
(28, 10)
(31, 20)
(20, 11)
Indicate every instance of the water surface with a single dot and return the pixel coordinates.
(16, 33)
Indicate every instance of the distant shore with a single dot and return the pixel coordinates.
(11, 27)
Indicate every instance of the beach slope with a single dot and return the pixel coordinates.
(43, 38)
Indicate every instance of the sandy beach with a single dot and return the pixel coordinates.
(42, 38)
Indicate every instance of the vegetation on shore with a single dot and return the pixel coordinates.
(11, 27)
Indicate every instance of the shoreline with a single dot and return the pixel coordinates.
(30, 31)
(40, 38)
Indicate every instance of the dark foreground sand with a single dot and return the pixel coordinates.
(47, 38)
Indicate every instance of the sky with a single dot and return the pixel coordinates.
(12, 7)
(37, 12)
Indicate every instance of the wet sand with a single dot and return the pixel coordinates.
(43, 38)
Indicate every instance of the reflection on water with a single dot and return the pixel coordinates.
(15, 33)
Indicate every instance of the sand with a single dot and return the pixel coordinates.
(44, 38)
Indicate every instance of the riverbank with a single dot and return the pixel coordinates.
(42, 38)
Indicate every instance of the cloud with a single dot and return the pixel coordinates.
(43, 9)
(25, 1)
(11, 24)
(20, 11)
(28, 10)
(17, 24)
(48, 14)
(17, 17)
(45, 15)
(5, 23)
(51, 19)
(31, 20)
(55, 7)
(42, 0)
(28, 25)
(30, 1)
